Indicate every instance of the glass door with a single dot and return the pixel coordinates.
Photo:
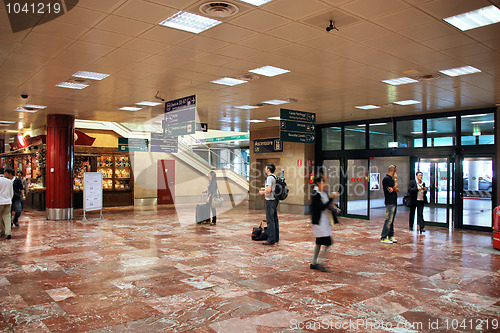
(333, 172)
(476, 194)
(438, 178)
(358, 189)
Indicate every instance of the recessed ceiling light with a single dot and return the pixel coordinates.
(246, 107)
(474, 115)
(483, 122)
(130, 108)
(269, 71)
(367, 107)
(257, 121)
(460, 71)
(25, 110)
(189, 22)
(401, 80)
(32, 106)
(407, 102)
(90, 75)
(475, 19)
(72, 85)
(256, 2)
(275, 102)
(274, 118)
(146, 103)
(228, 81)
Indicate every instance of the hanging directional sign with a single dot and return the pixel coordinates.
(297, 126)
(125, 144)
(180, 117)
(159, 144)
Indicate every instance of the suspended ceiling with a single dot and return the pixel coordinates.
(330, 72)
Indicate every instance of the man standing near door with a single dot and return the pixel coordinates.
(390, 186)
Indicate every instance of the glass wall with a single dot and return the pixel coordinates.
(410, 133)
(478, 129)
(332, 138)
(355, 137)
(380, 135)
(441, 132)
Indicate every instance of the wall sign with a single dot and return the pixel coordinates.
(273, 145)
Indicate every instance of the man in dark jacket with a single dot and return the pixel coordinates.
(391, 189)
(417, 191)
(17, 200)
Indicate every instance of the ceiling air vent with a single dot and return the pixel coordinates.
(428, 77)
(219, 9)
(247, 77)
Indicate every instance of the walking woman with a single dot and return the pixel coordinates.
(320, 204)
(418, 197)
(212, 192)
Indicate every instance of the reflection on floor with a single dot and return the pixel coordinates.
(155, 271)
(477, 211)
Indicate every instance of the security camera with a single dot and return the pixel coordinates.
(24, 96)
(331, 26)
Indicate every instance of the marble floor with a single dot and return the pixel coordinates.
(154, 270)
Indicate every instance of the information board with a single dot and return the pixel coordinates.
(125, 144)
(273, 145)
(92, 191)
(297, 126)
(180, 117)
(159, 144)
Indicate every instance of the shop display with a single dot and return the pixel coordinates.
(115, 171)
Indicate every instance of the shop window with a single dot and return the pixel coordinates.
(410, 133)
(478, 129)
(380, 135)
(441, 132)
(332, 138)
(355, 137)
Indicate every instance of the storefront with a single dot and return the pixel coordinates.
(456, 151)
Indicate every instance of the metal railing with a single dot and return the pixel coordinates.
(241, 168)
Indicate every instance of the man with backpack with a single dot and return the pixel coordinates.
(268, 191)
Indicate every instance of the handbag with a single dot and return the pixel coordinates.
(217, 200)
(259, 233)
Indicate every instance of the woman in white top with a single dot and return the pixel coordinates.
(320, 204)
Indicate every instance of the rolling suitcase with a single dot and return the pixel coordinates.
(202, 212)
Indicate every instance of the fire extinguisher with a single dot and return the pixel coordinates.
(311, 178)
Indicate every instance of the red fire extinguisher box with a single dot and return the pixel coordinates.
(496, 227)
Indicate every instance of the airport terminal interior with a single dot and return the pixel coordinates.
(118, 114)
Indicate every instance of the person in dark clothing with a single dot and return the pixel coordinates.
(212, 192)
(391, 189)
(321, 201)
(418, 197)
(17, 200)
(273, 230)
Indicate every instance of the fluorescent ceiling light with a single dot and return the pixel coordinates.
(269, 71)
(24, 110)
(130, 108)
(367, 107)
(475, 19)
(398, 81)
(274, 118)
(407, 102)
(256, 2)
(2, 124)
(227, 81)
(483, 122)
(257, 121)
(146, 103)
(72, 85)
(474, 115)
(32, 106)
(189, 22)
(6, 122)
(90, 75)
(460, 71)
(452, 117)
(423, 132)
(275, 102)
(246, 107)
(378, 124)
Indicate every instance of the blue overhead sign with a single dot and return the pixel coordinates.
(180, 117)
(159, 144)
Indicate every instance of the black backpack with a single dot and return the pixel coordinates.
(280, 189)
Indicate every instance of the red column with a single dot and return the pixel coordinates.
(59, 171)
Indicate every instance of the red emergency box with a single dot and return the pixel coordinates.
(496, 227)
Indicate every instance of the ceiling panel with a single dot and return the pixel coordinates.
(144, 11)
(105, 37)
(295, 32)
(296, 11)
(373, 8)
(259, 20)
(124, 26)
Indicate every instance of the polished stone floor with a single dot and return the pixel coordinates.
(154, 270)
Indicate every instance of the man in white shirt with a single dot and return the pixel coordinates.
(271, 205)
(6, 194)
